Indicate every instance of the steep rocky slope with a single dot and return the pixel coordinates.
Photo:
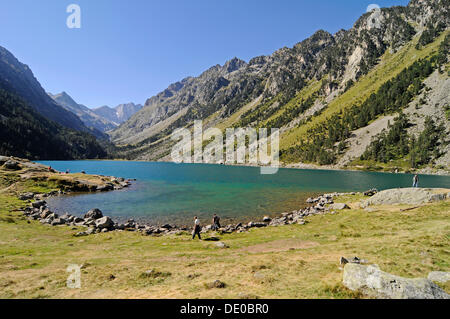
(295, 89)
(18, 78)
(26, 133)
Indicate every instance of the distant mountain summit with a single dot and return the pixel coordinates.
(33, 125)
(88, 116)
(119, 114)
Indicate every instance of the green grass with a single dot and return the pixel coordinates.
(296, 261)
(304, 94)
(391, 64)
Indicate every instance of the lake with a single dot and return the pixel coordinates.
(174, 193)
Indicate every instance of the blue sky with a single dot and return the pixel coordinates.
(127, 51)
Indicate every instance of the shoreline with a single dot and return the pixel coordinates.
(96, 222)
(84, 183)
(296, 166)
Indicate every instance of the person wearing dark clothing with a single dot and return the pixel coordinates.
(197, 228)
(215, 222)
(416, 181)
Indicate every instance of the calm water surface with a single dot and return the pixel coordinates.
(174, 193)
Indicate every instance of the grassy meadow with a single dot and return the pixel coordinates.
(295, 261)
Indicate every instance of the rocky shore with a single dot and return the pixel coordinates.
(95, 222)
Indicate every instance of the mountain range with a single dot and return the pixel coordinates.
(308, 90)
(374, 96)
(103, 118)
(119, 114)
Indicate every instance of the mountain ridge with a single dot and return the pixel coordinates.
(18, 78)
(335, 61)
(89, 117)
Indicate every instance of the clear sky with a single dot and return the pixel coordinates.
(127, 51)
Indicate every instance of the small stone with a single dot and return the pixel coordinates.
(90, 231)
(258, 275)
(216, 284)
(80, 234)
(220, 244)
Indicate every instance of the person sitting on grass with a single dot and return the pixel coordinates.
(197, 228)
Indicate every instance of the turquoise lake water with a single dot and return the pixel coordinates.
(174, 193)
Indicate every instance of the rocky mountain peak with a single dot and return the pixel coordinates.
(233, 65)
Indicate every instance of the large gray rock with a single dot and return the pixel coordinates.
(26, 196)
(39, 204)
(412, 196)
(104, 222)
(12, 165)
(371, 281)
(3, 159)
(439, 276)
(94, 214)
(338, 206)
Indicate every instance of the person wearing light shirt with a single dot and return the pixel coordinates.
(197, 228)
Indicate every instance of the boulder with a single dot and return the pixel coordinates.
(58, 221)
(89, 222)
(26, 196)
(39, 204)
(371, 281)
(105, 188)
(78, 220)
(267, 219)
(338, 206)
(94, 214)
(256, 224)
(11, 165)
(3, 159)
(371, 192)
(410, 196)
(45, 213)
(104, 222)
(439, 276)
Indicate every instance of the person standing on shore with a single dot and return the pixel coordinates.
(197, 228)
(416, 181)
(216, 222)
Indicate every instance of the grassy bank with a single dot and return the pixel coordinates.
(296, 261)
